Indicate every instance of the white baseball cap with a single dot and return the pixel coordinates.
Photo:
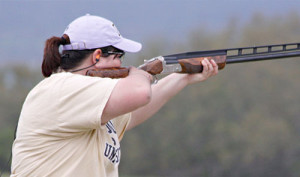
(91, 32)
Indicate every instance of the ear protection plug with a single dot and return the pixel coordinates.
(97, 57)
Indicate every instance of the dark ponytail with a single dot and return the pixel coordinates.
(68, 60)
(52, 57)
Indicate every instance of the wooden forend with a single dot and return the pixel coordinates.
(193, 65)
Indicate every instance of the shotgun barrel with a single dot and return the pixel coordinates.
(245, 54)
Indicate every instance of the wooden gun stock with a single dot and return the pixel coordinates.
(109, 72)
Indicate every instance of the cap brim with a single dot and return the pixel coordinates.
(128, 45)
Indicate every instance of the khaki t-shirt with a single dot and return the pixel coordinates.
(60, 133)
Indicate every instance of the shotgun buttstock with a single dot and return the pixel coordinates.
(109, 72)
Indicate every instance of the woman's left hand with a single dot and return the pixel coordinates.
(210, 68)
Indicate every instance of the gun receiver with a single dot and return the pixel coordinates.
(190, 62)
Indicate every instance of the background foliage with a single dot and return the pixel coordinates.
(243, 122)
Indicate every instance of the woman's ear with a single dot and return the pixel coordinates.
(96, 55)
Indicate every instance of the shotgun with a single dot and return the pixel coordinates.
(190, 62)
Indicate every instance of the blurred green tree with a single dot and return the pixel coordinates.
(244, 122)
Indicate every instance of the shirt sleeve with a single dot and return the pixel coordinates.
(82, 100)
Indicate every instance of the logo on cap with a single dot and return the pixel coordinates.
(116, 29)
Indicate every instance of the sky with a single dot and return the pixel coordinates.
(26, 24)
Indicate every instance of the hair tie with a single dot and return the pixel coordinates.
(63, 41)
